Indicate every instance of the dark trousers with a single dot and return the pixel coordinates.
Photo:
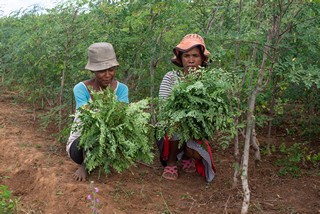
(76, 153)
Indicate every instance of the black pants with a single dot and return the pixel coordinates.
(76, 154)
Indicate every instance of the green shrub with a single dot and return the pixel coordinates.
(8, 204)
(296, 157)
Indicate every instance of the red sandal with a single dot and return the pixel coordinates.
(188, 166)
(170, 173)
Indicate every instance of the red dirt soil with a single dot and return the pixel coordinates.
(38, 171)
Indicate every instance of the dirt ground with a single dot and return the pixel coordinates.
(36, 168)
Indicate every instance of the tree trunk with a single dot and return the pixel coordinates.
(236, 155)
(271, 115)
(236, 119)
(255, 145)
(245, 157)
(61, 93)
(212, 19)
(152, 66)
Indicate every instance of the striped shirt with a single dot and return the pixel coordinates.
(169, 80)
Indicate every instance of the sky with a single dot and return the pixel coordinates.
(8, 6)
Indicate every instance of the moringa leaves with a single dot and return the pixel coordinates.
(115, 134)
(197, 106)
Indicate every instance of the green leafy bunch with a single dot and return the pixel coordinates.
(114, 133)
(7, 203)
(197, 106)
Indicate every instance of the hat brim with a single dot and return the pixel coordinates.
(100, 66)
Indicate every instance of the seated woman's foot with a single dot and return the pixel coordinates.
(188, 166)
(170, 173)
(81, 174)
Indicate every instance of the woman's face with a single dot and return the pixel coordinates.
(191, 59)
(105, 77)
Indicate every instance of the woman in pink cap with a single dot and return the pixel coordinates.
(189, 55)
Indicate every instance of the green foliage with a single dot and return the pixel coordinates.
(314, 159)
(42, 55)
(267, 150)
(8, 204)
(300, 110)
(197, 107)
(115, 134)
(296, 157)
(293, 157)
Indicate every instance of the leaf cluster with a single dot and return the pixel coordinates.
(197, 106)
(114, 134)
(293, 161)
(8, 204)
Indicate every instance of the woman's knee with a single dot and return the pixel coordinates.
(76, 154)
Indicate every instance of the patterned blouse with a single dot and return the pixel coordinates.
(169, 80)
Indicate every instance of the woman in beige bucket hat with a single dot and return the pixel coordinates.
(190, 54)
(102, 62)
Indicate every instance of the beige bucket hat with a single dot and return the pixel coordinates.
(101, 56)
(187, 43)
